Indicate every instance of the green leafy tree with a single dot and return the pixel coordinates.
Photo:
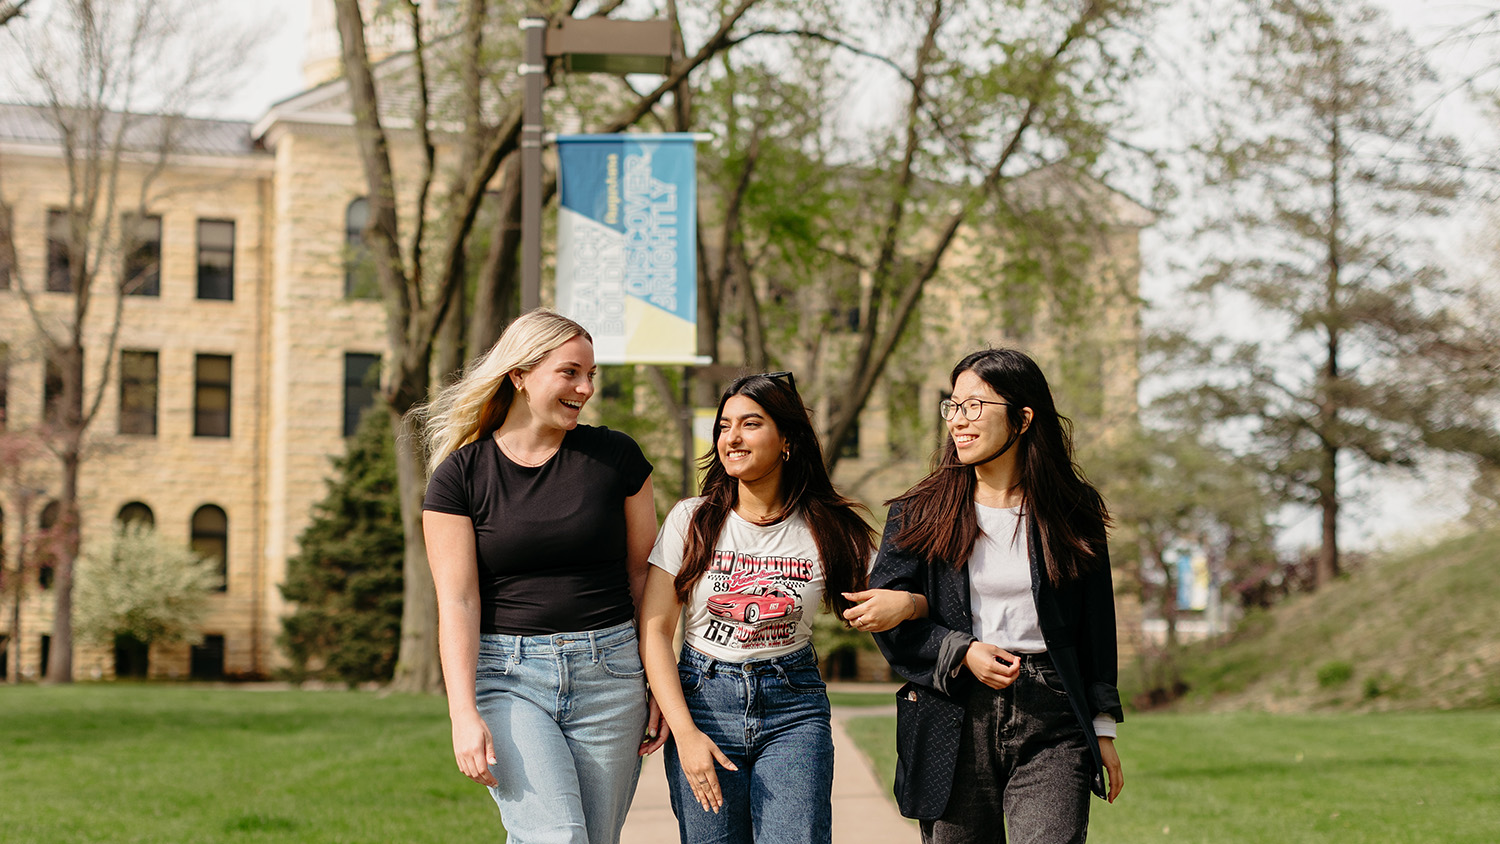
(346, 579)
(142, 586)
(1360, 353)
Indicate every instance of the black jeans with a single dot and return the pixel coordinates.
(1023, 763)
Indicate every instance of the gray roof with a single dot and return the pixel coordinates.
(29, 124)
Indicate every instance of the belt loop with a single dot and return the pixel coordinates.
(516, 651)
(708, 670)
(594, 646)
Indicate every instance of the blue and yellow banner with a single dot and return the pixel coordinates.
(627, 244)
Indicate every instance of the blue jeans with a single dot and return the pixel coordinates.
(567, 713)
(770, 717)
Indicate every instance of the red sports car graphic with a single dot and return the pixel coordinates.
(752, 605)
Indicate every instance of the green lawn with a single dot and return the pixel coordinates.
(1420, 778)
(842, 697)
(143, 763)
(154, 763)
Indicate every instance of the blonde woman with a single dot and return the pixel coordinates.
(537, 531)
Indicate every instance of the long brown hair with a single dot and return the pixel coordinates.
(938, 520)
(844, 538)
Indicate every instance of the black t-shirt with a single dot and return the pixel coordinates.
(550, 538)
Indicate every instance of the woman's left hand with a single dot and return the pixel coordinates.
(1112, 767)
(657, 730)
(878, 610)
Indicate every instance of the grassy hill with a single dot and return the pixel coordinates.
(1407, 631)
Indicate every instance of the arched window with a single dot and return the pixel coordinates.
(359, 267)
(136, 513)
(211, 539)
(47, 522)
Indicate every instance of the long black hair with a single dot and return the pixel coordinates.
(844, 538)
(938, 520)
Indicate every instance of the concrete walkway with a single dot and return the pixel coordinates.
(863, 810)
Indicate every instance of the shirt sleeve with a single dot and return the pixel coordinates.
(448, 490)
(633, 466)
(1105, 727)
(666, 554)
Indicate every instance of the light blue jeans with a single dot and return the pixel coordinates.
(567, 713)
(770, 717)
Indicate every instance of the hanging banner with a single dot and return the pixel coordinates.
(627, 245)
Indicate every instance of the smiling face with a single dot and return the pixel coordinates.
(979, 440)
(556, 390)
(749, 444)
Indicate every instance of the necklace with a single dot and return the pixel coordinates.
(517, 459)
(758, 521)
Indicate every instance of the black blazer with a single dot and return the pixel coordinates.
(1078, 624)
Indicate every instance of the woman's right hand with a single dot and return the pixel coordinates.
(697, 754)
(474, 748)
(995, 666)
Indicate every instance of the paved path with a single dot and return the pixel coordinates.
(863, 811)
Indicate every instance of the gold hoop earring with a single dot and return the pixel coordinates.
(786, 454)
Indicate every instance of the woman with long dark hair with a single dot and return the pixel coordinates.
(750, 756)
(1011, 701)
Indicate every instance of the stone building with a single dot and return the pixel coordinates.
(235, 375)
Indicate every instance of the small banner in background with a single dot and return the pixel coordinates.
(627, 245)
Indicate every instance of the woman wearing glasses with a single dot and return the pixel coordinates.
(751, 752)
(1010, 705)
(537, 532)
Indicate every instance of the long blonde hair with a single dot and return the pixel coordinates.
(476, 404)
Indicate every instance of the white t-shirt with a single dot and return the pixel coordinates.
(1004, 611)
(760, 592)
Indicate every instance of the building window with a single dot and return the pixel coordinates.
(359, 265)
(4, 382)
(211, 539)
(850, 447)
(216, 259)
(361, 381)
(136, 513)
(7, 246)
(906, 420)
(211, 397)
(46, 653)
(132, 657)
(138, 393)
(207, 659)
(141, 243)
(52, 392)
(48, 541)
(59, 258)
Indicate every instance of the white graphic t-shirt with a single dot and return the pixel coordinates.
(760, 592)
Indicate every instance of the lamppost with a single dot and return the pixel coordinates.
(586, 45)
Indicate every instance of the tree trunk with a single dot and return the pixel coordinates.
(417, 666)
(495, 298)
(1328, 501)
(60, 653)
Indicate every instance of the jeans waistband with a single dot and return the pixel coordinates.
(585, 641)
(1037, 659)
(800, 658)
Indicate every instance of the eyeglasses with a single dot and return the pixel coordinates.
(782, 376)
(972, 408)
